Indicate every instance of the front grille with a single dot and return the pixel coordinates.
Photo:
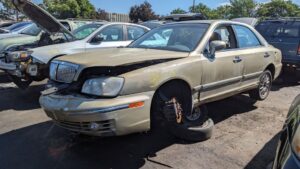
(107, 126)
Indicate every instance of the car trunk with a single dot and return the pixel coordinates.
(284, 35)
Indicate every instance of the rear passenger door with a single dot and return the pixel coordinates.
(252, 52)
(108, 37)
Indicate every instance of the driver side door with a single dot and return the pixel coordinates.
(109, 37)
(222, 73)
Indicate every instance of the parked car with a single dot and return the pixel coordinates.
(15, 28)
(284, 34)
(151, 82)
(46, 30)
(4, 24)
(184, 17)
(288, 150)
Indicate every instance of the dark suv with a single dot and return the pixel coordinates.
(284, 34)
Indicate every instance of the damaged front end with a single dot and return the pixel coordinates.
(22, 68)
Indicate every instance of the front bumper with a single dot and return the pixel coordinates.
(100, 117)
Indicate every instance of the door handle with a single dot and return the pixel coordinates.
(237, 59)
(267, 55)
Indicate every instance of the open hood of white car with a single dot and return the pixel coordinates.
(41, 17)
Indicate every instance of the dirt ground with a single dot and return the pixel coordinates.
(245, 136)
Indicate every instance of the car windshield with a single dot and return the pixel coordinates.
(84, 31)
(32, 30)
(175, 37)
(288, 29)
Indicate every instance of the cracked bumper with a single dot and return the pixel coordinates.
(109, 116)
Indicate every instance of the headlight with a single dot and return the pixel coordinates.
(19, 56)
(103, 86)
(63, 71)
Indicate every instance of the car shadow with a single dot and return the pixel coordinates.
(286, 79)
(224, 109)
(265, 156)
(4, 78)
(46, 146)
(18, 99)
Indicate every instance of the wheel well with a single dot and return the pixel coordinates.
(271, 68)
(183, 85)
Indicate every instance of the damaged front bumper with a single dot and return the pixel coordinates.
(101, 117)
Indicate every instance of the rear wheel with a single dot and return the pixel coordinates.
(264, 86)
(172, 109)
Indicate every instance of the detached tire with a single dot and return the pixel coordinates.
(172, 105)
(264, 86)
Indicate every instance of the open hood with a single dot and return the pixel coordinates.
(41, 17)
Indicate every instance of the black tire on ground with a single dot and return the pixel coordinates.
(163, 114)
(264, 87)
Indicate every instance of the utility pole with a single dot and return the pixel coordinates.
(193, 6)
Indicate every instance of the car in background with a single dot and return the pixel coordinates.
(288, 150)
(155, 83)
(15, 28)
(250, 21)
(184, 17)
(284, 34)
(4, 24)
(33, 65)
(153, 23)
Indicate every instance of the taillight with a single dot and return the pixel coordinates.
(299, 49)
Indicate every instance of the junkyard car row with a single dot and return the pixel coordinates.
(111, 79)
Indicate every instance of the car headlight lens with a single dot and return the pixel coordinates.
(63, 71)
(19, 56)
(103, 86)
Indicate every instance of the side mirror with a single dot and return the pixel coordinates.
(216, 46)
(97, 40)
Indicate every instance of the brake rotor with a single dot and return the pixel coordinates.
(173, 111)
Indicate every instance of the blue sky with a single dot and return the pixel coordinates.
(161, 7)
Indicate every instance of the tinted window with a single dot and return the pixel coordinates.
(134, 32)
(279, 29)
(245, 37)
(112, 33)
(175, 37)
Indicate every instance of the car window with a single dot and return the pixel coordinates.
(84, 31)
(174, 37)
(134, 32)
(245, 37)
(112, 33)
(289, 29)
(66, 25)
(32, 30)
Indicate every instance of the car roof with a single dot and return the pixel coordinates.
(209, 22)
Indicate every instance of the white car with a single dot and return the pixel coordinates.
(33, 65)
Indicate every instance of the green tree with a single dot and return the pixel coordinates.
(142, 12)
(205, 11)
(224, 12)
(178, 11)
(70, 8)
(242, 8)
(278, 8)
(101, 14)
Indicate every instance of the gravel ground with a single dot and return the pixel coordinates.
(245, 136)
